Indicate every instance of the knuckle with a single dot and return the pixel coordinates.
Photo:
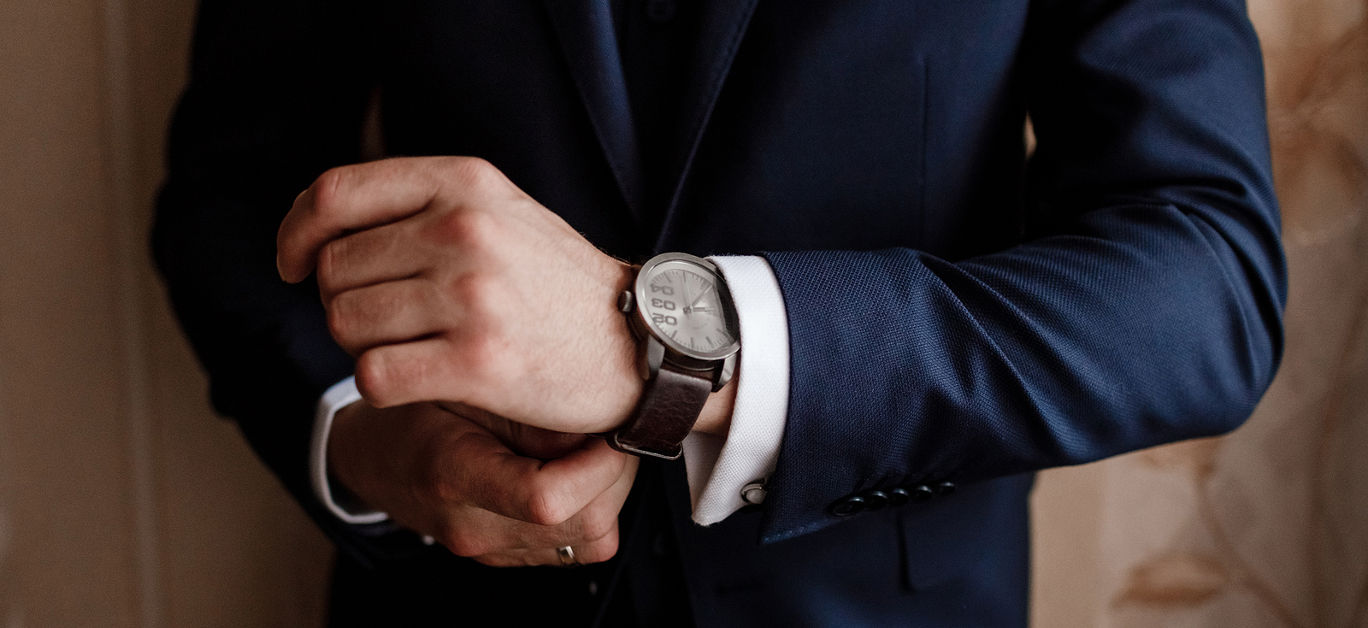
(600, 550)
(484, 300)
(330, 260)
(479, 351)
(327, 188)
(471, 230)
(462, 542)
(599, 523)
(473, 290)
(434, 478)
(475, 171)
(374, 380)
(339, 322)
(544, 509)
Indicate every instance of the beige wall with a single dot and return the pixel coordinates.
(123, 502)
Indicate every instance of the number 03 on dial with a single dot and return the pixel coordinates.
(687, 306)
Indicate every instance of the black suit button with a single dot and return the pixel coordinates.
(898, 497)
(660, 11)
(921, 493)
(875, 500)
(848, 506)
(945, 488)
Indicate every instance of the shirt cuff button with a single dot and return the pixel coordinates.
(754, 493)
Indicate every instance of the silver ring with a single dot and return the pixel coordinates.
(567, 556)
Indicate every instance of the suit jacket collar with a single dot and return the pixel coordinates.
(724, 24)
(589, 42)
(590, 46)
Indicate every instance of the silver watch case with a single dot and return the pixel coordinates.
(719, 366)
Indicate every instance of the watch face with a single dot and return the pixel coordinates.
(687, 306)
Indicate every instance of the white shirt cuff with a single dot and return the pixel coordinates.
(719, 469)
(342, 394)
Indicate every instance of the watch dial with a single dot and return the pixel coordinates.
(684, 306)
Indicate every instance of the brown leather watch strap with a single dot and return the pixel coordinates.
(669, 407)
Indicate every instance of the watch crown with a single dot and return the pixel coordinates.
(626, 301)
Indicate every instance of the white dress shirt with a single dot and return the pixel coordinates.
(719, 468)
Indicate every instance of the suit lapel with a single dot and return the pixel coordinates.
(587, 38)
(723, 24)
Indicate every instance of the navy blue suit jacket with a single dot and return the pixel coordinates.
(959, 313)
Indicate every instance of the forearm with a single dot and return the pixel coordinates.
(1142, 306)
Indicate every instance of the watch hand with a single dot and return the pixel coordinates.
(700, 296)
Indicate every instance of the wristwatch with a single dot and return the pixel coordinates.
(680, 310)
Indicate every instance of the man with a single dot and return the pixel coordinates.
(950, 315)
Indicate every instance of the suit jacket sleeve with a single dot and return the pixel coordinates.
(1143, 306)
(276, 95)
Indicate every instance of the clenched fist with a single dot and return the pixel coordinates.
(450, 284)
(487, 342)
(448, 477)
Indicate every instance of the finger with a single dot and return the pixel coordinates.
(539, 443)
(410, 372)
(499, 533)
(468, 530)
(347, 199)
(541, 493)
(389, 313)
(596, 551)
(585, 553)
(464, 364)
(473, 531)
(593, 522)
(525, 440)
(385, 253)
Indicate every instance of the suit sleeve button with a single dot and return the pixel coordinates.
(848, 506)
(945, 488)
(875, 500)
(921, 493)
(898, 496)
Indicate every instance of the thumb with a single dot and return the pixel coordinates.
(522, 439)
(530, 490)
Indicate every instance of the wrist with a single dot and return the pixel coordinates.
(625, 351)
(680, 314)
(717, 413)
(369, 446)
(341, 452)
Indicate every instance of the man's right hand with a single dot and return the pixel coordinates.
(451, 478)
